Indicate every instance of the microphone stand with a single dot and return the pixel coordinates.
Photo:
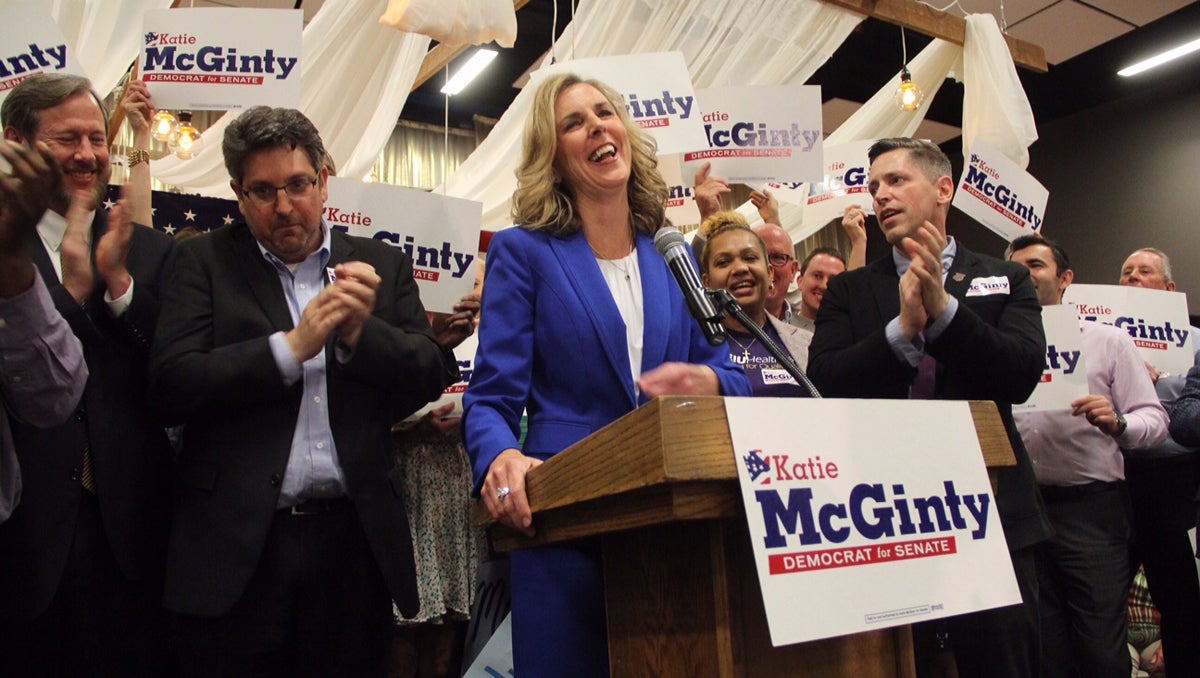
(725, 302)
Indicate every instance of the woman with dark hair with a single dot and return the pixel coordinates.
(583, 324)
(735, 259)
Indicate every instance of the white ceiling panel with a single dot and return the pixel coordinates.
(1014, 10)
(836, 111)
(1140, 12)
(1068, 28)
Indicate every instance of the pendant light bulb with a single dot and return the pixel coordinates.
(908, 95)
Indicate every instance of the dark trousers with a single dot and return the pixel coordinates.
(98, 624)
(316, 606)
(1003, 642)
(1083, 576)
(1163, 493)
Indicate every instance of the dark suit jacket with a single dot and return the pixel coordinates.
(994, 349)
(130, 454)
(213, 371)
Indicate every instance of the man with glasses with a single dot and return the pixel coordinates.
(783, 268)
(287, 350)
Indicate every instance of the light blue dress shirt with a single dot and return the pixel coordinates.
(913, 351)
(313, 471)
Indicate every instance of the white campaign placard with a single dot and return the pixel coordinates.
(439, 233)
(871, 525)
(1157, 320)
(844, 184)
(222, 59)
(997, 193)
(759, 133)
(1064, 377)
(464, 354)
(681, 196)
(31, 42)
(791, 192)
(657, 89)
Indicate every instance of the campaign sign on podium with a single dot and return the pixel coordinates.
(874, 525)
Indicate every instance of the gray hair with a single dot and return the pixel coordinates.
(260, 128)
(22, 108)
(1166, 261)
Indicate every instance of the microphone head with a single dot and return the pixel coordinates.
(666, 238)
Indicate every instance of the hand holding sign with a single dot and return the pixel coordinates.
(709, 191)
(767, 206)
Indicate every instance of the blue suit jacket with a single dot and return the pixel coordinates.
(552, 342)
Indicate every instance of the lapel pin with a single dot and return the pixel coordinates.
(959, 277)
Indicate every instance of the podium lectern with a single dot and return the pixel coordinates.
(659, 488)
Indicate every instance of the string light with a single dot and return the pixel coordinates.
(186, 143)
(908, 94)
(163, 125)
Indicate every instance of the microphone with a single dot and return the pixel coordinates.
(670, 244)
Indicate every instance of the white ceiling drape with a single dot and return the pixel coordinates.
(105, 35)
(356, 76)
(724, 42)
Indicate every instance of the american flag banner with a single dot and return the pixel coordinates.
(175, 212)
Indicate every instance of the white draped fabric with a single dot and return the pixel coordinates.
(724, 42)
(356, 77)
(105, 35)
(995, 108)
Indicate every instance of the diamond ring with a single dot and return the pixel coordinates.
(502, 493)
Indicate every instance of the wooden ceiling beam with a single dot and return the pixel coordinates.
(440, 56)
(928, 21)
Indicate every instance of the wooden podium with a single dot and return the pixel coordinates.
(659, 488)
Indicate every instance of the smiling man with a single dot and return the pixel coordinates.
(1163, 483)
(1082, 571)
(288, 350)
(82, 555)
(934, 320)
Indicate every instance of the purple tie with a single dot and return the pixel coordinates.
(922, 386)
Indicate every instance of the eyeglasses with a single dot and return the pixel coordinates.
(265, 195)
(779, 259)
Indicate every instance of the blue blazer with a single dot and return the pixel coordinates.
(553, 343)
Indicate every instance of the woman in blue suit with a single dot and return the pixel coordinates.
(583, 324)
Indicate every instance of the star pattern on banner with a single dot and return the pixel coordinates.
(197, 212)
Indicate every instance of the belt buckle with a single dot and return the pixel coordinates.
(307, 508)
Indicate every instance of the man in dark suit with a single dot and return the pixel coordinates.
(287, 350)
(934, 320)
(82, 556)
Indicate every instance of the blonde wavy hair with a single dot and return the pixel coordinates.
(542, 203)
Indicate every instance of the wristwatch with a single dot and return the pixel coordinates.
(1122, 424)
(137, 155)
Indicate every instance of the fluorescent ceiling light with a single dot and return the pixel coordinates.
(1163, 58)
(469, 70)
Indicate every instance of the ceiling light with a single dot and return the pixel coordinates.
(186, 142)
(469, 70)
(1161, 59)
(908, 95)
(163, 125)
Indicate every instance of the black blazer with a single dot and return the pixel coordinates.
(212, 370)
(994, 349)
(131, 456)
